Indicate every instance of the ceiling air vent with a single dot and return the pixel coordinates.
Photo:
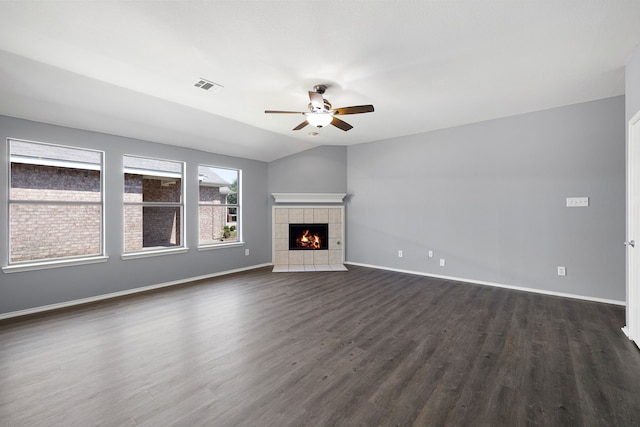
(208, 86)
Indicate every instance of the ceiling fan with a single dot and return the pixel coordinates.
(321, 114)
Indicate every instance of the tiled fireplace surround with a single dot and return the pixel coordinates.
(285, 260)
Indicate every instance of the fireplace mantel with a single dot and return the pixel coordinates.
(308, 197)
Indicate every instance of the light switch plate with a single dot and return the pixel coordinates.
(577, 202)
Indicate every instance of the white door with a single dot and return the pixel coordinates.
(633, 236)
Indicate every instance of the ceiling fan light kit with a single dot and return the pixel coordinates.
(319, 119)
(321, 114)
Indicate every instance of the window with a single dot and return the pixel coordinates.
(153, 204)
(219, 207)
(55, 202)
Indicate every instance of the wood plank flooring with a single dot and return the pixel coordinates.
(358, 348)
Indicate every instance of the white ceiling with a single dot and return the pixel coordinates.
(129, 67)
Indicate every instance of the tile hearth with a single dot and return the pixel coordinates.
(285, 260)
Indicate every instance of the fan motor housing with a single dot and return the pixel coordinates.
(325, 108)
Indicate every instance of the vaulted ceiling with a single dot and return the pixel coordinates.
(130, 67)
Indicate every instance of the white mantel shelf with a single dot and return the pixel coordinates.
(308, 197)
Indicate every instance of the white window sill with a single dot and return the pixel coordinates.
(220, 246)
(152, 253)
(41, 265)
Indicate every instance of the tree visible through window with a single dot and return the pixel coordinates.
(153, 206)
(219, 208)
(55, 202)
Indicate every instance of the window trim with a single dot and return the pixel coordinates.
(237, 205)
(221, 245)
(60, 262)
(46, 263)
(155, 251)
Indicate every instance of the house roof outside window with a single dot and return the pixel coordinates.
(209, 178)
(54, 155)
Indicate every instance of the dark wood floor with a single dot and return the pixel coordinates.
(358, 348)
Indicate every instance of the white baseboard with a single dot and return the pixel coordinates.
(625, 329)
(122, 293)
(497, 285)
(72, 303)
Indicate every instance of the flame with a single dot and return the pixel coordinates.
(308, 241)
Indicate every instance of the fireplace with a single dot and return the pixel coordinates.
(308, 238)
(304, 237)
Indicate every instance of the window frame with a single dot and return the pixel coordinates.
(239, 241)
(155, 251)
(64, 261)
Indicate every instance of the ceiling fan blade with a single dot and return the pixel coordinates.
(354, 110)
(316, 100)
(341, 124)
(301, 125)
(282, 112)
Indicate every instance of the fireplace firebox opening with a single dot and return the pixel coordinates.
(308, 236)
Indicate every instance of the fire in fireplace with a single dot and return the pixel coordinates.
(308, 236)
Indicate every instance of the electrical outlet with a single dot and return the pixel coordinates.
(400, 254)
(430, 254)
(562, 271)
(442, 262)
(246, 252)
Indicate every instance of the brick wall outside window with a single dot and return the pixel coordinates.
(151, 226)
(212, 218)
(44, 230)
(132, 214)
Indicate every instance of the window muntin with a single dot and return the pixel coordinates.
(55, 202)
(219, 207)
(153, 204)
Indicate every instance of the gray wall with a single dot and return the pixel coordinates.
(24, 290)
(319, 170)
(489, 198)
(632, 84)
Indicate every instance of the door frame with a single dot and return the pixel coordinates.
(632, 328)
